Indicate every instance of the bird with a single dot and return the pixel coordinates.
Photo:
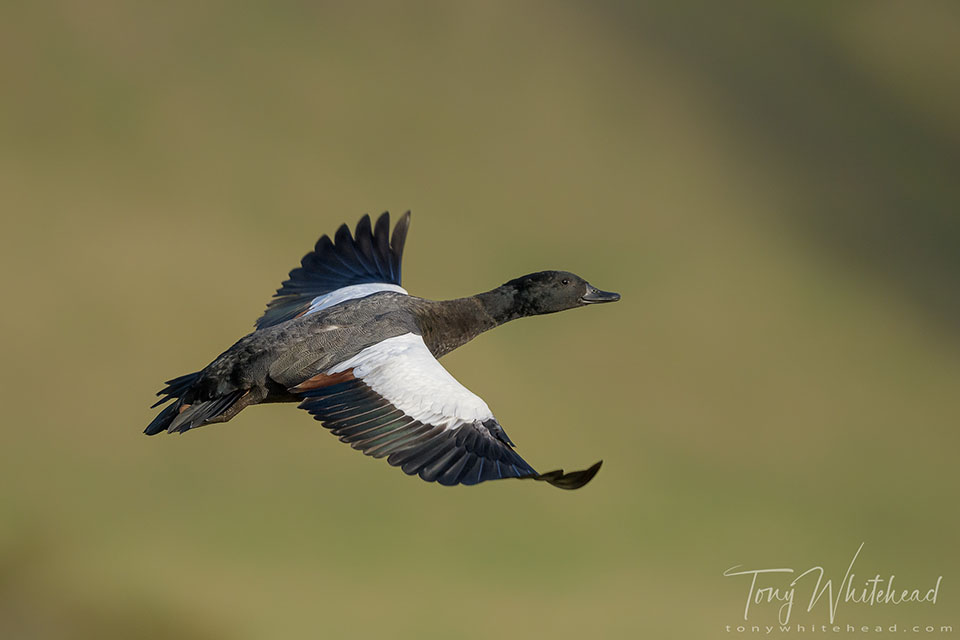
(342, 338)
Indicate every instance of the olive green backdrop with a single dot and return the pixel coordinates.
(773, 188)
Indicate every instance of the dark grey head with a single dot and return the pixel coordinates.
(552, 291)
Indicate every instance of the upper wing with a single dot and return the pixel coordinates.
(347, 267)
(395, 400)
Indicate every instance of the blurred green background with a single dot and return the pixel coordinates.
(773, 187)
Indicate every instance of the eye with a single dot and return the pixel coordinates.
(565, 281)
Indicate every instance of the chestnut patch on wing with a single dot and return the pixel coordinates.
(324, 380)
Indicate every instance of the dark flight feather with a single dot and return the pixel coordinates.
(470, 454)
(368, 256)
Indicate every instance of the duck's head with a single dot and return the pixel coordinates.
(552, 291)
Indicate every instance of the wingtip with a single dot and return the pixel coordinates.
(397, 241)
(400, 230)
(572, 480)
(364, 228)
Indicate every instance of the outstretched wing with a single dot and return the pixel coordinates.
(394, 400)
(349, 266)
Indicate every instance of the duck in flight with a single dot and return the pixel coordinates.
(346, 341)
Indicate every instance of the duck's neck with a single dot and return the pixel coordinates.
(448, 324)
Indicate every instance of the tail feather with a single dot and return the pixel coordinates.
(199, 413)
(176, 388)
(163, 419)
(182, 416)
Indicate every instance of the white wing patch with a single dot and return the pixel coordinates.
(404, 372)
(349, 293)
